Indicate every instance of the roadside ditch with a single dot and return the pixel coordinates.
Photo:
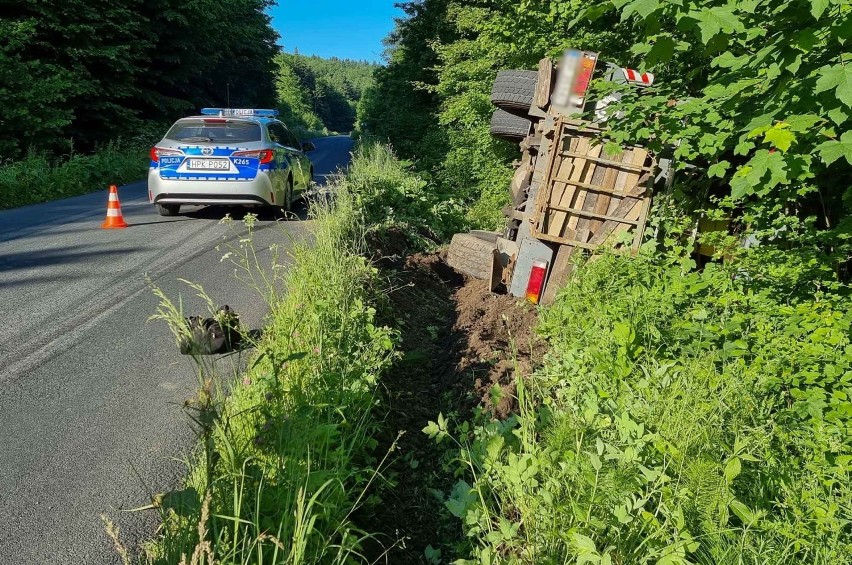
(462, 348)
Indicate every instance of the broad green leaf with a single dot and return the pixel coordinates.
(715, 91)
(583, 545)
(743, 148)
(818, 7)
(715, 20)
(743, 512)
(778, 171)
(495, 444)
(611, 148)
(672, 560)
(622, 332)
(750, 178)
(780, 136)
(728, 60)
(718, 169)
(832, 150)
(596, 461)
(760, 121)
(839, 115)
(461, 498)
(643, 8)
(839, 78)
(432, 555)
(748, 5)
(431, 429)
(733, 469)
(805, 40)
(661, 51)
(802, 122)
(641, 49)
(757, 132)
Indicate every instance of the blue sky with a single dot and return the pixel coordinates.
(351, 29)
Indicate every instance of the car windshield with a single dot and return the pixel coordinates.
(214, 130)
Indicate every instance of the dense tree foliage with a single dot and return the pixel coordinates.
(740, 65)
(76, 74)
(769, 123)
(402, 105)
(432, 99)
(315, 93)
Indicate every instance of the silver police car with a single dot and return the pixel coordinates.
(233, 157)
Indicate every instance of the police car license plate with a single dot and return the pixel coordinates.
(208, 165)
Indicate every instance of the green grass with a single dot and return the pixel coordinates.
(391, 197)
(679, 417)
(36, 178)
(285, 460)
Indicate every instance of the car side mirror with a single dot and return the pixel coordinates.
(308, 146)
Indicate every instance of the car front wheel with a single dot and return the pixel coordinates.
(168, 209)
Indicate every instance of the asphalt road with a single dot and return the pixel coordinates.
(90, 390)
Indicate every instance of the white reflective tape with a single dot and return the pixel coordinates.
(113, 213)
(113, 197)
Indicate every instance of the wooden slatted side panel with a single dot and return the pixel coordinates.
(582, 191)
(628, 207)
(561, 224)
(604, 199)
(591, 200)
(561, 189)
(587, 197)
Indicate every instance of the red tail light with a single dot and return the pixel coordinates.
(263, 155)
(536, 284)
(157, 152)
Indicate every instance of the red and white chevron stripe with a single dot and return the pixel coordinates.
(635, 77)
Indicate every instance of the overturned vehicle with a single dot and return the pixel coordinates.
(567, 195)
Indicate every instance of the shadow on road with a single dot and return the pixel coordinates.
(59, 256)
(266, 214)
(160, 222)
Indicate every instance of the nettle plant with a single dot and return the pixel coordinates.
(759, 94)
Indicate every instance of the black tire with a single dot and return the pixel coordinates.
(471, 255)
(509, 126)
(168, 209)
(514, 91)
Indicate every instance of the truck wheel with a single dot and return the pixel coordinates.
(168, 209)
(514, 91)
(471, 255)
(509, 126)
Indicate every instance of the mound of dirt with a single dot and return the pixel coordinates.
(491, 339)
(496, 345)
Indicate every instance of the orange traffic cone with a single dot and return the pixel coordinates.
(114, 219)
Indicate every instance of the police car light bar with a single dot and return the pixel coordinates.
(221, 112)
